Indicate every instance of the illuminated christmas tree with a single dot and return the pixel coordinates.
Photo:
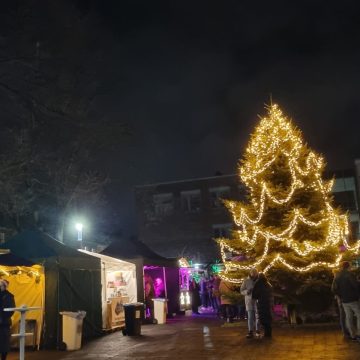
(288, 226)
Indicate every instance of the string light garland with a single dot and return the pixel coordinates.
(19, 270)
(283, 176)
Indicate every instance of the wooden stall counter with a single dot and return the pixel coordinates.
(115, 312)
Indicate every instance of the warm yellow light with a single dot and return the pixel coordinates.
(276, 136)
(2, 270)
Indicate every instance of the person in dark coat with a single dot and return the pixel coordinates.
(6, 301)
(149, 296)
(262, 293)
(194, 290)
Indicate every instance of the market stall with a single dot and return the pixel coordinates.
(201, 273)
(72, 282)
(27, 284)
(156, 275)
(118, 281)
(184, 282)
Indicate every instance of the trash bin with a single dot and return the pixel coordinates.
(133, 318)
(160, 310)
(72, 323)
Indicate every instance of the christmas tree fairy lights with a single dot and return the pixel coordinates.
(288, 221)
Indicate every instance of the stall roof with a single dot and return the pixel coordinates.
(135, 249)
(35, 244)
(111, 260)
(13, 260)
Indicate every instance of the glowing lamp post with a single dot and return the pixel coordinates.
(79, 228)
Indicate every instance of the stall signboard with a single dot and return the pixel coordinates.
(116, 314)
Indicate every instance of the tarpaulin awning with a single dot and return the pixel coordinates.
(13, 260)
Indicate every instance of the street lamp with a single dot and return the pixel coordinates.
(79, 228)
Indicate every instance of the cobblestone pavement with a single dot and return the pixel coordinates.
(206, 337)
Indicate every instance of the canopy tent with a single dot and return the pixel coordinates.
(146, 260)
(8, 259)
(26, 282)
(72, 282)
(118, 280)
(135, 249)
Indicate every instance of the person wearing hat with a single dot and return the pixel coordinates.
(346, 287)
(6, 301)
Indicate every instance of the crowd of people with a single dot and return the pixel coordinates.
(205, 294)
(255, 304)
(252, 301)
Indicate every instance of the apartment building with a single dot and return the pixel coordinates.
(182, 218)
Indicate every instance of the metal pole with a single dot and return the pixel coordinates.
(165, 288)
(22, 335)
(164, 277)
(23, 309)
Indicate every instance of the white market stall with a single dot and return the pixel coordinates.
(118, 280)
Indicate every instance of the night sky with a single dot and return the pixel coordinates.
(198, 73)
(191, 77)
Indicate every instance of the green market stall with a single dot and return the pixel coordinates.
(72, 282)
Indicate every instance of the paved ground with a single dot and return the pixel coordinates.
(206, 337)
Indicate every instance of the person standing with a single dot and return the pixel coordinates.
(204, 292)
(216, 294)
(226, 304)
(262, 293)
(6, 301)
(346, 287)
(250, 303)
(149, 296)
(194, 290)
(342, 317)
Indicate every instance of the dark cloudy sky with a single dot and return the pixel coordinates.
(196, 74)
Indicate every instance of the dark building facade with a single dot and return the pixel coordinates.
(182, 218)
(346, 196)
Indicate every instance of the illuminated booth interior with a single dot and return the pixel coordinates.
(187, 272)
(118, 281)
(161, 282)
(184, 282)
(157, 277)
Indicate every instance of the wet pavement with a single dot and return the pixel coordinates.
(207, 337)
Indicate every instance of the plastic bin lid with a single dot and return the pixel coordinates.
(159, 299)
(134, 304)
